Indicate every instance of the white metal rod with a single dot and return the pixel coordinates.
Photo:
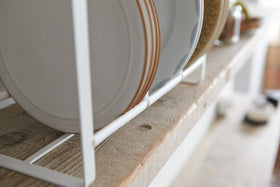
(105, 132)
(3, 92)
(194, 66)
(6, 103)
(39, 172)
(166, 88)
(203, 69)
(81, 36)
(42, 152)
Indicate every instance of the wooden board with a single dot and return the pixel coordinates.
(136, 152)
(233, 153)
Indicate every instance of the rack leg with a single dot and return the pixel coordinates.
(6, 103)
(81, 35)
(198, 73)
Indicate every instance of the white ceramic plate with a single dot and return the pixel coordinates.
(180, 24)
(37, 62)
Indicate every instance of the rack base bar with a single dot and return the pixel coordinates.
(105, 132)
(39, 172)
(6, 103)
(39, 154)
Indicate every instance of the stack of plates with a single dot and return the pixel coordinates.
(135, 46)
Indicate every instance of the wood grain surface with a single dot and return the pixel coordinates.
(21, 136)
(234, 153)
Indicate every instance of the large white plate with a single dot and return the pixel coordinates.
(37, 62)
(180, 24)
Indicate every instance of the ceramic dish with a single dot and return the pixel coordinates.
(223, 21)
(214, 20)
(37, 63)
(227, 5)
(213, 16)
(180, 25)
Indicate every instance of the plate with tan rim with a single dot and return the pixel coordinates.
(213, 10)
(180, 25)
(224, 18)
(227, 6)
(215, 14)
(158, 48)
(154, 57)
(37, 63)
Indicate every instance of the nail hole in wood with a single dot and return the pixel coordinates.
(146, 127)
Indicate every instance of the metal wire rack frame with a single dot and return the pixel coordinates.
(89, 140)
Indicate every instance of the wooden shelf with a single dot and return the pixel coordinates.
(234, 153)
(135, 153)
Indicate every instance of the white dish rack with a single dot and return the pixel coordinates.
(89, 140)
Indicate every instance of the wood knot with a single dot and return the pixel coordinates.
(146, 127)
(12, 138)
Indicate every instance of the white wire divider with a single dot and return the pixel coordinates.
(89, 139)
